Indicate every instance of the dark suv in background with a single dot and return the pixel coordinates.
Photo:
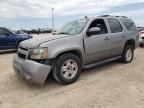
(10, 40)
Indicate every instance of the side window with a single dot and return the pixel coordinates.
(100, 24)
(115, 25)
(129, 24)
(3, 31)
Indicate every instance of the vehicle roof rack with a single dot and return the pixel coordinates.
(122, 16)
(112, 16)
(104, 16)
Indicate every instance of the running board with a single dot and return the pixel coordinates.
(99, 63)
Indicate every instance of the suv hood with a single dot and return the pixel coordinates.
(36, 41)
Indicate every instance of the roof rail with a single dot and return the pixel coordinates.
(111, 15)
(122, 16)
(103, 15)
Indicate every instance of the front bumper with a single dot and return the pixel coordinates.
(32, 71)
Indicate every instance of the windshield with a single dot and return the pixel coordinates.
(9, 30)
(5, 31)
(74, 27)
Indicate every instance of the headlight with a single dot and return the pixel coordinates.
(39, 53)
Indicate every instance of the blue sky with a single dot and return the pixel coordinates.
(37, 13)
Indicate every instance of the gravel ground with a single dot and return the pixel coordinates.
(113, 85)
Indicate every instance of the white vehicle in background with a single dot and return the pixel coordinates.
(141, 37)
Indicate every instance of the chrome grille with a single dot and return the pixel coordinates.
(22, 56)
(22, 52)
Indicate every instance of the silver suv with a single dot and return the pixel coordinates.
(80, 44)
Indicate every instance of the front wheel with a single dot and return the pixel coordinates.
(67, 68)
(128, 54)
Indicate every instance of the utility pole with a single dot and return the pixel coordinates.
(53, 19)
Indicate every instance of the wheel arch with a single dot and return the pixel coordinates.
(130, 42)
(74, 51)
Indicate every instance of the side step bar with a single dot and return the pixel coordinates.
(101, 62)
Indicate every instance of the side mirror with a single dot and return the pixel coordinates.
(93, 30)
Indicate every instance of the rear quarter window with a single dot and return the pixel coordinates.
(129, 24)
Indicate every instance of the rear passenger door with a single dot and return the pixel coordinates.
(116, 37)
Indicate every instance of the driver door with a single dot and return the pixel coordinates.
(97, 45)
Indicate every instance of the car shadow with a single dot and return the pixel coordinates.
(99, 68)
(2, 52)
(51, 82)
(51, 87)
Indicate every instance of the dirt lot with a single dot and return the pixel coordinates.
(113, 85)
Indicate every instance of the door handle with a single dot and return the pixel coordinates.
(106, 38)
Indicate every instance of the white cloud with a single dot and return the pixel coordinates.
(120, 2)
(130, 13)
(42, 8)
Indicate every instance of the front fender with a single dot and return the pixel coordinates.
(67, 50)
(56, 47)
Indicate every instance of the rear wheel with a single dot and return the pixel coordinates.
(128, 54)
(67, 68)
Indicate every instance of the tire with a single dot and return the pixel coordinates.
(67, 68)
(128, 53)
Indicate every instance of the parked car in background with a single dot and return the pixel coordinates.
(21, 32)
(80, 44)
(39, 31)
(10, 40)
(140, 28)
(141, 38)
